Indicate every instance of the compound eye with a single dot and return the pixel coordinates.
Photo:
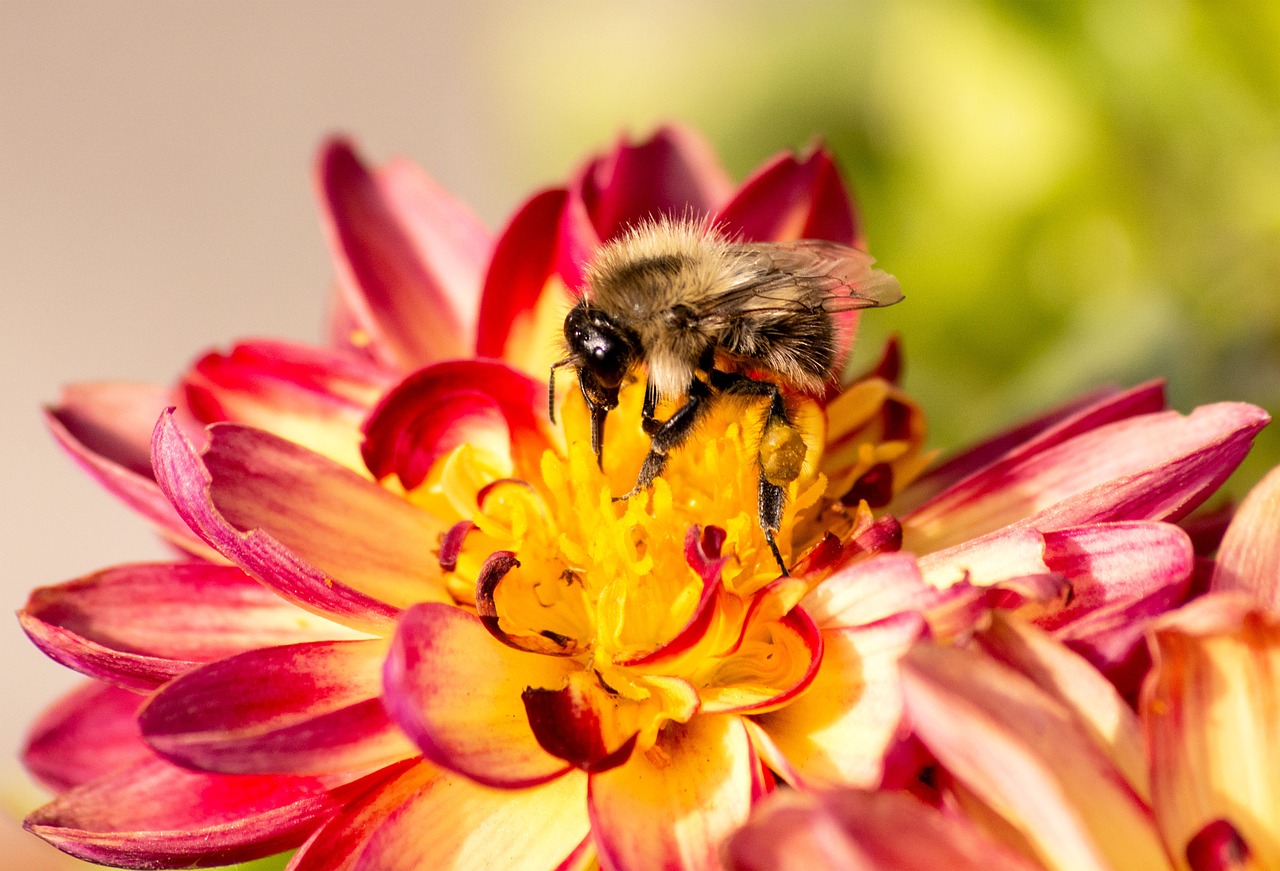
(609, 360)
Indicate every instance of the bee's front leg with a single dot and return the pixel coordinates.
(665, 436)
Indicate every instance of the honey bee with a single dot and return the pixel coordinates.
(711, 318)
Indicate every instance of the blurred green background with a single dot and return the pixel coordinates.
(1070, 193)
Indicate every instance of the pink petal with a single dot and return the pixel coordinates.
(312, 396)
(428, 818)
(1024, 756)
(188, 483)
(113, 420)
(851, 830)
(793, 198)
(458, 694)
(1150, 467)
(838, 730)
(195, 612)
(87, 734)
(297, 709)
(1249, 558)
(674, 805)
(863, 592)
(156, 815)
(479, 402)
(132, 484)
(524, 260)
(1016, 444)
(409, 257)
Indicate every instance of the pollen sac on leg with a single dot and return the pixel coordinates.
(782, 452)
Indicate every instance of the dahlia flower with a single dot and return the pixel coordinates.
(416, 630)
(1041, 765)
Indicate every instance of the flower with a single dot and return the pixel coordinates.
(1040, 764)
(258, 662)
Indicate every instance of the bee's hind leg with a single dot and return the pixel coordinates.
(781, 455)
(667, 435)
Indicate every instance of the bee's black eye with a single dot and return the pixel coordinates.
(599, 344)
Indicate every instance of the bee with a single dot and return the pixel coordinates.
(710, 318)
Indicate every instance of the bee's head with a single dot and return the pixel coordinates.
(599, 345)
(603, 353)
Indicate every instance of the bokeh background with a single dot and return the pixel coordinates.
(1071, 194)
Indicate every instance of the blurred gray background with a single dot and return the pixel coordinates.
(1070, 193)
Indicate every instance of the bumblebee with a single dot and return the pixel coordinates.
(711, 318)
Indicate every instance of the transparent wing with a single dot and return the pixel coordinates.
(786, 277)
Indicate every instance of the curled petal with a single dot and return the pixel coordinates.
(479, 402)
(837, 731)
(1024, 756)
(852, 830)
(87, 734)
(156, 815)
(672, 806)
(776, 661)
(457, 693)
(568, 725)
(495, 568)
(793, 198)
(1249, 558)
(195, 613)
(1210, 710)
(297, 709)
(188, 482)
(409, 257)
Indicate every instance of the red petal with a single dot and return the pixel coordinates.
(87, 734)
(298, 709)
(479, 402)
(793, 198)
(409, 257)
(673, 806)
(156, 815)
(187, 482)
(457, 693)
(196, 612)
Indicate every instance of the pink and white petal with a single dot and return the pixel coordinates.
(674, 173)
(429, 818)
(409, 258)
(1211, 706)
(864, 592)
(88, 733)
(1249, 557)
(113, 419)
(316, 397)
(458, 694)
(298, 709)
(156, 815)
(1150, 467)
(1021, 753)
(1012, 552)
(1024, 440)
(1078, 686)
(837, 732)
(324, 491)
(132, 484)
(793, 198)
(852, 830)
(519, 286)
(672, 806)
(484, 403)
(196, 612)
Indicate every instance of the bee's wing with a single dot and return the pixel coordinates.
(787, 276)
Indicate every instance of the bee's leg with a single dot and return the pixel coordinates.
(781, 455)
(669, 434)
